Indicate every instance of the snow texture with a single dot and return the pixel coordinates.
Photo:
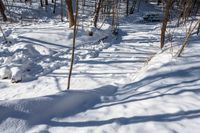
(122, 83)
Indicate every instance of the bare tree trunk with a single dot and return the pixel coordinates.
(113, 16)
(70, 12)
(97, 12)
(3, 34)
(61, 10)
(41, 3)
(54, 7)
(73, 48)
(188, 10)
(158, 2)
(46, 2)
(133, 7)
(198, 29)
(2, 10)
(165, 20)
(127, 7)
(138, 5)
(197, 7)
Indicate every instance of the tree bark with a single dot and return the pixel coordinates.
(165, 21)
(73, 48)
(158, 2)
(127, 7)
(138, 5)
(3, 34)
(198, 29)
(97, 12)
(70, 12)
(54, 7)
(61, 10)
(46, 2)
(2, 10)
(41, 3)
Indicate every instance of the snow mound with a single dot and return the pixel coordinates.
(26, 113)
(16, 75)
(32, 54)
(5, 72)
(22, 60)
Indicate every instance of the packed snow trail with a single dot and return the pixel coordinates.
(135, 45)
(165, 99)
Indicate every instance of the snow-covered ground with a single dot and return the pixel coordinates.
(119, 84)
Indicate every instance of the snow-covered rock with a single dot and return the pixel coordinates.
(5, 72)
(16, 75)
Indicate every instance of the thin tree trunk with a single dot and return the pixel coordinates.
(185, 42)
(113, 16)
(158, 2)
(165, 21)
(3, 34)
(138, 5)
(70, 12)
(46, 2)
(133, 7)
(97, 12)
(41, 3)
(127, 7)
(54, 7)
(73, 48)
(2, 10)
(198, 29)
(197, 7)
(61, 10)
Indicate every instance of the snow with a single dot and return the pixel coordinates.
(120, 84)
(5, 72)
(40, 51)
(42, 109)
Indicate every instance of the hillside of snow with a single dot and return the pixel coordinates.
(122, 83)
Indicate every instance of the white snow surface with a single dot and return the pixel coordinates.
(119, 84)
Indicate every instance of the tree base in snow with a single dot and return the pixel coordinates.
(90, 33)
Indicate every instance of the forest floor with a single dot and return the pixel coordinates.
(123, 83)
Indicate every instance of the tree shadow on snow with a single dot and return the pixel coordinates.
(168, 117)
(42, 110)
(130, 93)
